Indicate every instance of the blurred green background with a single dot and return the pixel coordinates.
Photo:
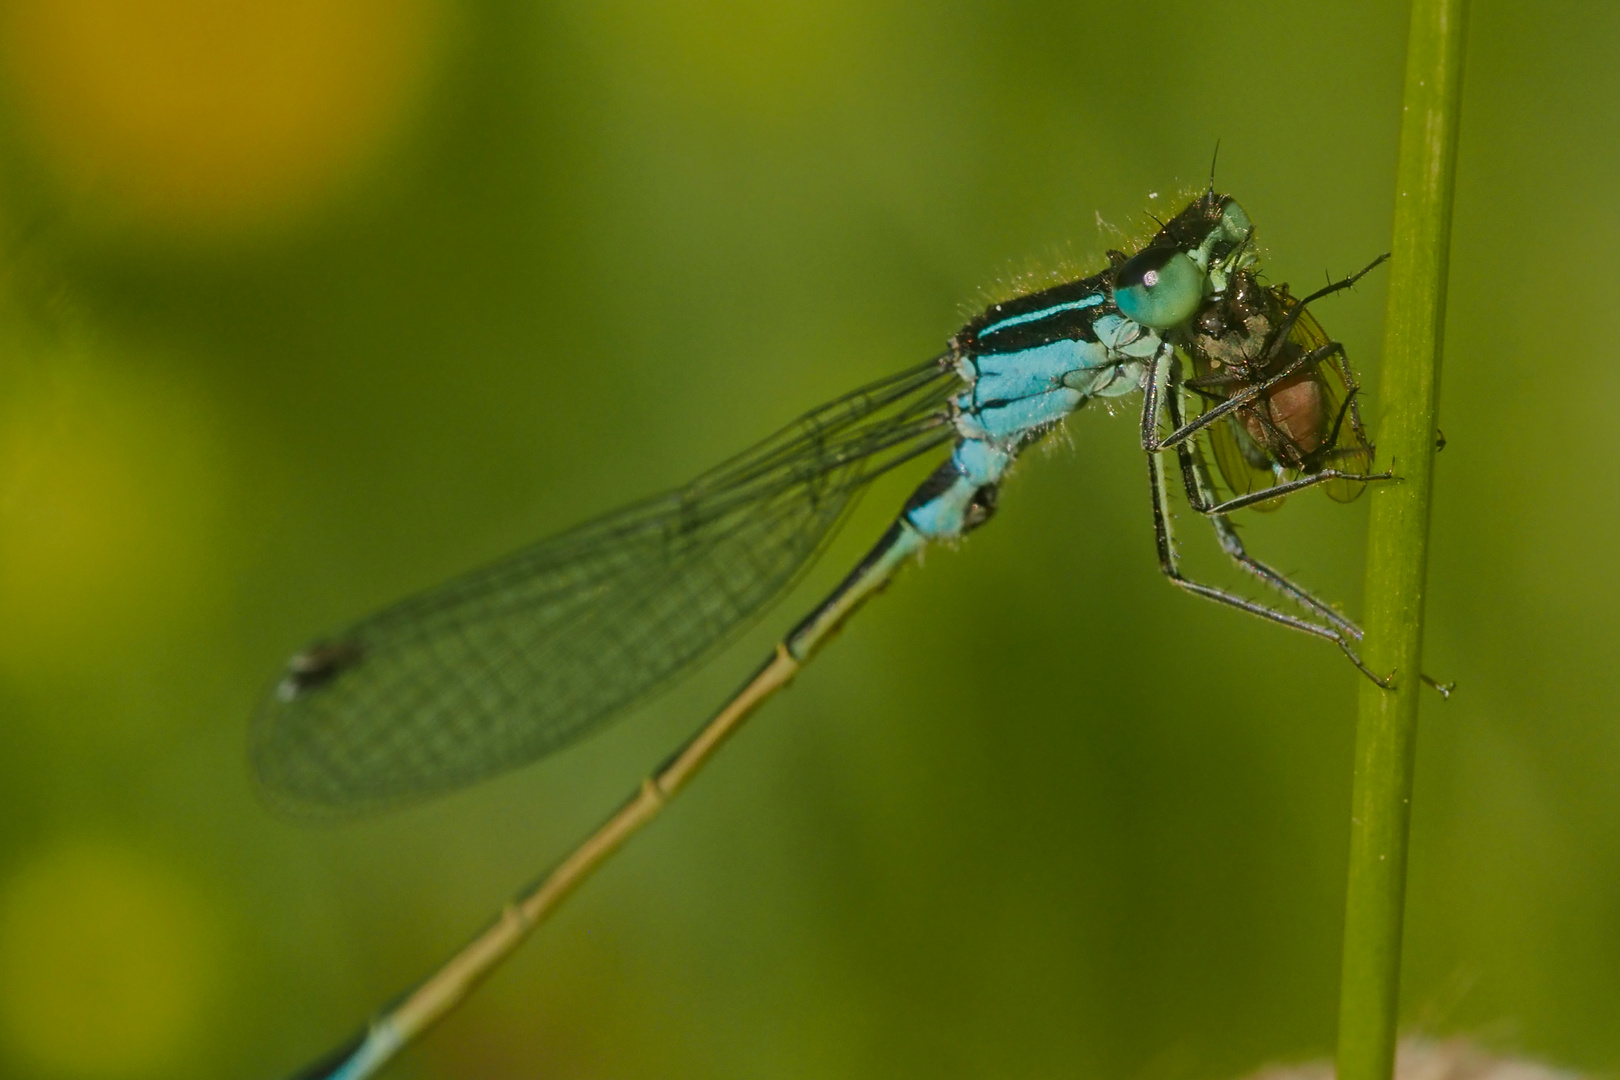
(309, 304)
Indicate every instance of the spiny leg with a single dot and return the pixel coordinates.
(1200, 490)
(1342, 633)
(1284, 328)
(1200, 496)
(1169, 567)
(1332, 352)
(1279, 490)
(1194, 471)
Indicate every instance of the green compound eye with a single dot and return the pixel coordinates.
(1159, 287)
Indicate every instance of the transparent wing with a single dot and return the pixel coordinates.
(1352, 452)
(1243, 463)
(508, 663)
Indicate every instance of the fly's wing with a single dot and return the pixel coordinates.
(508, 663)
(1243, 463)
(1246, 466)
(1352, 452)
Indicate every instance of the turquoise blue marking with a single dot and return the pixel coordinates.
(980, 462)
(1008, 376)
(946, 513)
(382, 1042)
(1007, 423)
(1045, 313)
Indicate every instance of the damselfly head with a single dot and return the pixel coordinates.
(1210, 230)
(1188, 261)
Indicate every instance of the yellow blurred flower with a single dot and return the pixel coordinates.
(206, 114)
(108, 962)
(111, 484)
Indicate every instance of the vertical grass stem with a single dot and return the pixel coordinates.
(1386, 730)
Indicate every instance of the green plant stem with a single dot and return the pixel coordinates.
(1386, 730)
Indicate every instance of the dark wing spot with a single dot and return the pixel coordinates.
(316, 666)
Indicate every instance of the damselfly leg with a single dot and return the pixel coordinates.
(1200, 490)
(1341, 631)
(1280, 415)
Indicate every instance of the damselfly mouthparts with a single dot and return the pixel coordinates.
(513, 661)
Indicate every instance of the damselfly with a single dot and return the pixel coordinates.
(511, 662)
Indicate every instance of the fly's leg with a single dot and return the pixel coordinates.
(1279, 335)
(1279, 490)
(1341, 632)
